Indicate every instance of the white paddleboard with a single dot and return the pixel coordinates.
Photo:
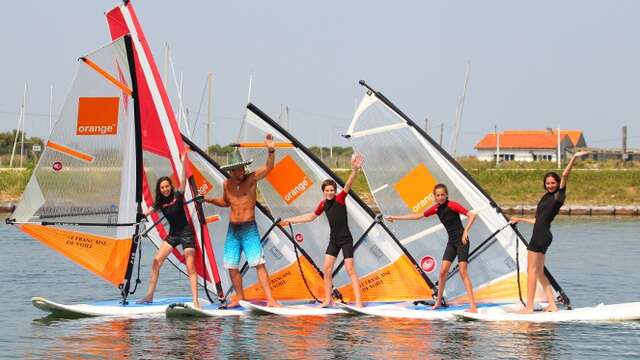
(408, 310)
(105, 308)
(291, 310)
(613, 312)
(206, 310)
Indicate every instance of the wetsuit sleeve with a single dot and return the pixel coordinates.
(458, 208)
(560, 195)
(431, 211)
(320, 208)
(341, 197)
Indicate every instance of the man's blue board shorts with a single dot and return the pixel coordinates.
(242, 237)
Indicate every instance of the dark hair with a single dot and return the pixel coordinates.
(329, 182)
(440, 186)
(161, 199)
(552, 174)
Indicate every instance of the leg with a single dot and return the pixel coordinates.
(232, 264)
(190, 254)
(464, 274)
(442, 279)
(546, 285)
(327, 270)
(532, 281)
(236, 280)
(355, 284)
(161, 255)
(263, 276)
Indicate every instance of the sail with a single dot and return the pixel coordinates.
(292, 188)
(403, 165)
(81, 198)
(162, 145)
(293, 276)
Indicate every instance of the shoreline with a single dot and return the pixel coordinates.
(570, 210)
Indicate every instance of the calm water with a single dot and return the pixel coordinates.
(594, 259)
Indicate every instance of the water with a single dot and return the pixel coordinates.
(594, 259)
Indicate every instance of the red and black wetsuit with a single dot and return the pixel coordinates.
(340, 236)
(547, 209)
(179, 229)
(449, 214)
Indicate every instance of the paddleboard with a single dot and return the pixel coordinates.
(408, 310)
(206, 310)
(612, 312)
(291, 310)
(105, 308)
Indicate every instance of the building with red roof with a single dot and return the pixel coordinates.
(529, 145)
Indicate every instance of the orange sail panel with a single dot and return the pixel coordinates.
(106, 257)
(395, 282)
(288, 283)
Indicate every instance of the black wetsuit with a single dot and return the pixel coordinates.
(179, 229)
(449, 214)
(340, 236)
(548, 207)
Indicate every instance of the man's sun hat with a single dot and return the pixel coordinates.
(236, 161)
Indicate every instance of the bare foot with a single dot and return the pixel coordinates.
(526, 310)
(435, 306)
(145, 300)
(325, 303)
(551, 308)
(233, 304)
(273, 303)
(359, 304)
(473, 309)
(196, 304)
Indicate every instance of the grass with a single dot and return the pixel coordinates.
(513, 184)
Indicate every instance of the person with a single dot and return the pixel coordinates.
(170, 201)
(239, 194)
(334, 207)
(458, 245)
(547, 209)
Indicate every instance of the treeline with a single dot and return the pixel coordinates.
(6, 147)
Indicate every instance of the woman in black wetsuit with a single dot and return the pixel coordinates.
(171, 203)
(458, 245)
(547, 209)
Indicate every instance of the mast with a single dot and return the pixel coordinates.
(24, 119)
(209, 111)
(453, 146)
(51, 109)
(125, 287)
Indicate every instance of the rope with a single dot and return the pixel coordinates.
(518, 268)
(304, 279)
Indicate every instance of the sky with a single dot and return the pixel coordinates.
(572, 64)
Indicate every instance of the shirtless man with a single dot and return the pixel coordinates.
(242, 235)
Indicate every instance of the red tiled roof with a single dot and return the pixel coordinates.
(526, 139)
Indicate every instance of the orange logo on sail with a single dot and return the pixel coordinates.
(416, 189)
(288, 179)
(203, 186)
(97, 116)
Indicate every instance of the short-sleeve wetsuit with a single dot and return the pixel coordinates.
(340, 236)
(179, 229)
(547, 209)
(449, 214)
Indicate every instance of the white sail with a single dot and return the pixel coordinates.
(403, 165)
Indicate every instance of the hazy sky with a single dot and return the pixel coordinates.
(533, 64)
